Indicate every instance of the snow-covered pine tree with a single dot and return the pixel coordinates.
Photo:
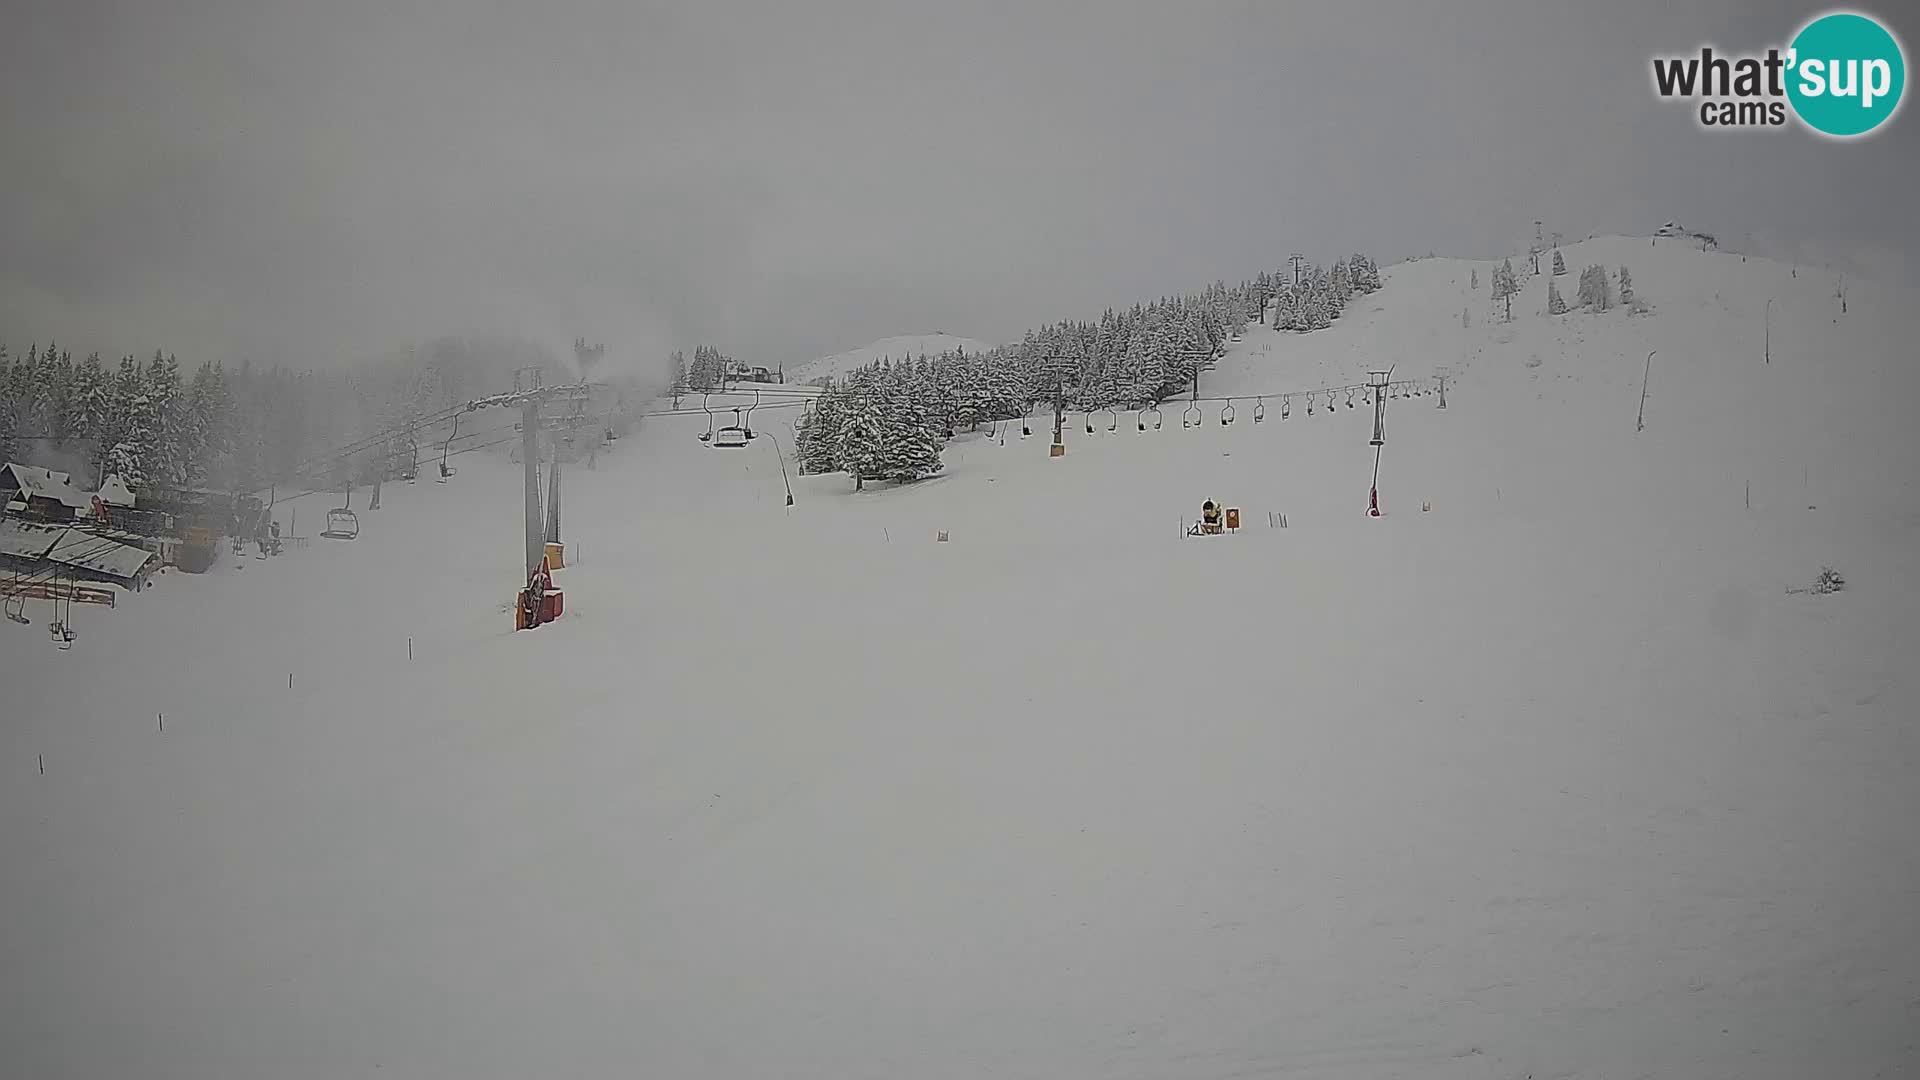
(862, 442)
(9, 406)
(59, 394)
(1320, 294)
(1559, 264)
(167, 464)
(911, 443)
(33, 379)
(1505, 286)
(1595, 292)
(190, 429)
(1340, 284)
(1626, 288)
(123, 460)
(1316, 311)
(1366, 273)
(1475, 283)
(141, 457)
(1555, 305)
(1286, 309)
(819, 439)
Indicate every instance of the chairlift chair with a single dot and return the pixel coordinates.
(1259, 410)
(342, 524)
(734, 435)
(1226, 414)
(60, 627)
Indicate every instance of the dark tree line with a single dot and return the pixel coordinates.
(875, 422)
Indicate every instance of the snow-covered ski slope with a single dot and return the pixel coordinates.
(890, 348)
(1555, 780)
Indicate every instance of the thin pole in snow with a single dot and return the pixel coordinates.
(289, 680)
(163, 720)
(409, 648)
(1641, 423)
(43, 764)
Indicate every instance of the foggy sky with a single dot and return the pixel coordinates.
(312, 182)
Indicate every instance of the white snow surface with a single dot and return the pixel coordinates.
(891, 348)
(1554, 780)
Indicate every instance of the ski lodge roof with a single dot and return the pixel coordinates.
(38, 541)
(38, 483)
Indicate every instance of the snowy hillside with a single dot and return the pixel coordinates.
(891, 348)
(1564, 777)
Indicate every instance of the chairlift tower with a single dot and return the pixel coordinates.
(1377, 383)
(1057, 367)
(529, 393)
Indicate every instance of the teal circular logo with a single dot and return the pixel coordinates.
(1847, 74)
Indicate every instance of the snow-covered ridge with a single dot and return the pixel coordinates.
(891, 348)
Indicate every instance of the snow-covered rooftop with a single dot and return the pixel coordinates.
(28, 539)
(88, 551)
(46, 484)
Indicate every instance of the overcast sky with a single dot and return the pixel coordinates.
(308, 182)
